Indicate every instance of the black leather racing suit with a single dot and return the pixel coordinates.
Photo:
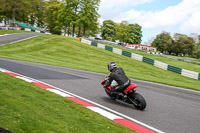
(120, 77)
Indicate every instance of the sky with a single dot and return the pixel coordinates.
(155, 16)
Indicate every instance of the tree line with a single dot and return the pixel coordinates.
(179, 44)
(74, 17)
(80, 18)
(124, 32)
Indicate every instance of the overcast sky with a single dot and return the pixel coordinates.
(155, 16)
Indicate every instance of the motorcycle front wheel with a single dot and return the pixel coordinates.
(138, 101)
(113, 98)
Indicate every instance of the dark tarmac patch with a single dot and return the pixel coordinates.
(36, 72)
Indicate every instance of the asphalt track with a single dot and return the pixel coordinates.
(16, 37)
(169, 109)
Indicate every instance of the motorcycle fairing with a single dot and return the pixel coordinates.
(130, 87)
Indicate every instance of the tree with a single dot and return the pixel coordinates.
(198, 48)
(178, 45)
(163, 42)
(122, 31)
(108, 30)
(135, 34)
(56, 15)
(31, 11)
(37, 13)
(82, 14)
(184, 45)
(72, 8)
(88, 16)
(66, 17)
(198, 53)
(189, 46)
(178, 36)
(53, 10)
(14, 9)
(2, 15)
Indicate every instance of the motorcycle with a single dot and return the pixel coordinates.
(134, 98)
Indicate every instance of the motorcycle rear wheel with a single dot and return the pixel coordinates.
(138, 101)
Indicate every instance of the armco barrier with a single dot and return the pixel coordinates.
(186, 73)
(190, 74)
(199, 76)
(174, 69)
(148, 60)
(161, 65)
(125, 53)
(94, 44)
(109, 48)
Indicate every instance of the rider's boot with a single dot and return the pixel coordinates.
(125, 98)
(122, 97)
(119, 95)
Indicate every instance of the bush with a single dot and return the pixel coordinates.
(198, 54)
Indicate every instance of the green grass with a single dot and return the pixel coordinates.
(68, 52)
(196, 62)
(26, 108)
(185, 57)
(13, 31)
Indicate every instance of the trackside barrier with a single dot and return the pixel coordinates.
(199, 76)
(37, 31)
(25, 29)
(191, 74)
(183, 72)
(161, 65)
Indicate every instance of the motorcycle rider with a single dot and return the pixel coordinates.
(120, 77)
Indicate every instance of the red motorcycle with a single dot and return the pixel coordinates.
(132, 97)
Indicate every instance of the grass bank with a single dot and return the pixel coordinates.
(13, 31)
(68, 52)
(26, 108)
